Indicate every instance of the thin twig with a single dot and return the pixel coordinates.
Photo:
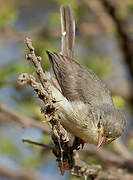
(38, 144)
(37, 63)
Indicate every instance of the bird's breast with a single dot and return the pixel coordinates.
(74, 116)
(76, 120)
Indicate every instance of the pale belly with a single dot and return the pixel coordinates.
(74, 116)
(78, 125)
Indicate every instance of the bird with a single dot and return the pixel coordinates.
(85, 103)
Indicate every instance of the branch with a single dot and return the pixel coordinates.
(125, 41)
(19, 174)
(114, 174)
(36, 61)
(22, 120)
(103, 20)
(122, 150)
(108, 158)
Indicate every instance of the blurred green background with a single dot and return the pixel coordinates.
(97, 47)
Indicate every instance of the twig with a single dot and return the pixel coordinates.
(50, 108)
(36, 61)
(82, 169)
(38, 144)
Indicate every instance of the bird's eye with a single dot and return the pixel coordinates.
(100, 117)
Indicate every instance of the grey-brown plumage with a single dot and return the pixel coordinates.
(78, 82)
(92, 110)
(85, 104)
(68, 31)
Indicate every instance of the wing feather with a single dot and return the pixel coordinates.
(77, 82)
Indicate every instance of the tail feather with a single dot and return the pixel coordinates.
(68, 31)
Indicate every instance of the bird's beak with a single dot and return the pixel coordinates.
(101, 140)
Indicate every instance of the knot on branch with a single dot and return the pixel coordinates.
(26, 79)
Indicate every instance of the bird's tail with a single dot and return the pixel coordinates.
(68, 31)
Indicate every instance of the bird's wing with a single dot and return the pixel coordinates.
(77, 82)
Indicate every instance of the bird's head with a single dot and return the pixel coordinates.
(110, 126)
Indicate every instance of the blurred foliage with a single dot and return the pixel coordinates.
(34, 160)
(128, 4)
(15, 67)
(8, 13)
(130, 145)
(77, 178)
(78, 8)
(8, 147)
(46, 138)
(102, 66)
(41, 45)
(118, 101)
(92, 160)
